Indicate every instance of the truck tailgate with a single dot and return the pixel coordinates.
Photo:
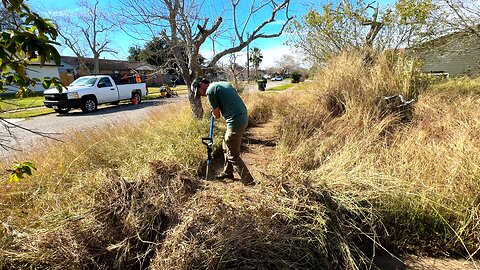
(125, 90)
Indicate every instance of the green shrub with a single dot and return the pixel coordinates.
(296, 76)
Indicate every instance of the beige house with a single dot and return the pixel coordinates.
(73, 67)
(456, 54)
(34, 70)
(49, 69)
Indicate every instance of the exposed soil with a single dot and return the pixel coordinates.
(257, 151)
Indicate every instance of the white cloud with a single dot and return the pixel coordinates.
(273, 54)
(208, 54)
(270, 56)
(277, 22)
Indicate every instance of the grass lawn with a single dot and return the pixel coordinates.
(180, 89)
(281, 87)
(27, 113)
(10, 102)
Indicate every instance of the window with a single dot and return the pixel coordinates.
(105, 81)
(84, 81)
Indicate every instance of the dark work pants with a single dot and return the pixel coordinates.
(231, 150)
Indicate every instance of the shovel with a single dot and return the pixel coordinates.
(208, 142)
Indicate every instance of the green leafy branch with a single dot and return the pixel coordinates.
(20, 169)
(32, 39)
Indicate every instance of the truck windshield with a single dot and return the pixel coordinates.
(84, 82)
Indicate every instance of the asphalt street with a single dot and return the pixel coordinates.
(17, 136)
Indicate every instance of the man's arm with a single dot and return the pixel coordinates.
(216, 112)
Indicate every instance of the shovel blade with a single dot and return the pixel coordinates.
(207, 173)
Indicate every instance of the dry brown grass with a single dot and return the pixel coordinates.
(420, 176)
(260, 108)
(60, 202)
(346, 177)
(237, 227)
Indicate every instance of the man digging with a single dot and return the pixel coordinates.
(224, 99)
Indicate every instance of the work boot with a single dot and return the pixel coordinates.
(224, 175)
(250, 183)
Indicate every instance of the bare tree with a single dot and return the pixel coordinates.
(357, 24)
(286, 64)
(186, 26)
(8, 20)
(233, 69)
(87, 32)
(459, 15)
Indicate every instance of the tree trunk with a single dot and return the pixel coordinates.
(195, 103)
(82, 69)
(96, 67)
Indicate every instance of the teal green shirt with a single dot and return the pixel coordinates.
(222, 95)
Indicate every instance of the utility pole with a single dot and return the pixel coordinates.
(248, 59)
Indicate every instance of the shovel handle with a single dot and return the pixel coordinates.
(207, 141)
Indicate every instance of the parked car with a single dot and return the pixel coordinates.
(88, 92)
(277, 78)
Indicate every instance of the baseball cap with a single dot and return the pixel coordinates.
(196, 84)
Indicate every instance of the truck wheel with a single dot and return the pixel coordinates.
(89, 105)
(138, 97)
(62, 110)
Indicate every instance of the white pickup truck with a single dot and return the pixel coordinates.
(88, 92)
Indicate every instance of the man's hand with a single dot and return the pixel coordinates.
(216, 112)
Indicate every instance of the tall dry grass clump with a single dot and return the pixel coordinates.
(352, 86)
(260, 109)
(349, 176)
(437, 157)
(414, 172)
(101, 199)
(129, 197)
(347, 99)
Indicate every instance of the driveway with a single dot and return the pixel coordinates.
(55, 125)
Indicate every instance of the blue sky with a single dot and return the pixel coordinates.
(272, 49)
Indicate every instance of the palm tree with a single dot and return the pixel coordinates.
(256, 58)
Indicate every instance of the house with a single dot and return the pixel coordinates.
(455, 54)
(82, 66)
(71, 68)
(34, 70)
(74, 67)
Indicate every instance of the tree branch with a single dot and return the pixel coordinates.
(255, 35)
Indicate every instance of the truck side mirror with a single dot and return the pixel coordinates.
(100, 85)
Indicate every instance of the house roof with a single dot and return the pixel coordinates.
(142, 66)
(47, 63)
(110, 64)
(444, 40)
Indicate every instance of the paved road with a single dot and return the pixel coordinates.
(57, 125)
(270, 84)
